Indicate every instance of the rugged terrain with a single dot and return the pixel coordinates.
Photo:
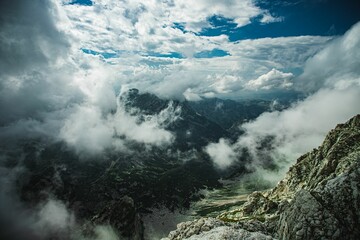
(119, 189)
(318, 198)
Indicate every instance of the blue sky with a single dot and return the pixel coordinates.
(82, 2)
(298, 17)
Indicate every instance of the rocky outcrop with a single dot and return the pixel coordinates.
(212, 228)
(318, 198)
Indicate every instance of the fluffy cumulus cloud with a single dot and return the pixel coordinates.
(284, 136)
(221, 153)
(270, 80)
(54, 215)
(108, 24)
(91, 132)
(225, 77)
(54, 219)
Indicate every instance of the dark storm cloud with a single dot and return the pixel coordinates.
(30, 46)
(28, 38)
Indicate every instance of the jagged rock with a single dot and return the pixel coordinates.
(318, 198)
(211, 228)
(328, 180)
(306, 218)
(230, 233)
(256, 206)
(190, 228)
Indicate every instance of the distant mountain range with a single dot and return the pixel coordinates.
(192, 130)
(206, 120)
(132, 183)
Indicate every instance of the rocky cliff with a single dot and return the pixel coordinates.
(318, 198)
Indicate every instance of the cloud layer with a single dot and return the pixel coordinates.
(146, 37)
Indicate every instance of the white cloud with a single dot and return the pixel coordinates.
(144, 25)
(146, 132)
(54, 215)
(54, 219)
(221, 153)
(223, 77)
(271, 80)
(300, 128)
(87, 131)
(268, 18)
(339, 64)
(191, 96)
(91, 132)
(136, 28)
(62, 93)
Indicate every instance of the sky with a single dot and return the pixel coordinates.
(65, 63)
(209, 48)
(217, 46)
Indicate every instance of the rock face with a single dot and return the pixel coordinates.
(318, 199)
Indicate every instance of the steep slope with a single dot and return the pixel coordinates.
(318, 199)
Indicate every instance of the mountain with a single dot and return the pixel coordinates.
(119, 188)
(192, 130)
(204, 121)
(318, 198)
(228, 113)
